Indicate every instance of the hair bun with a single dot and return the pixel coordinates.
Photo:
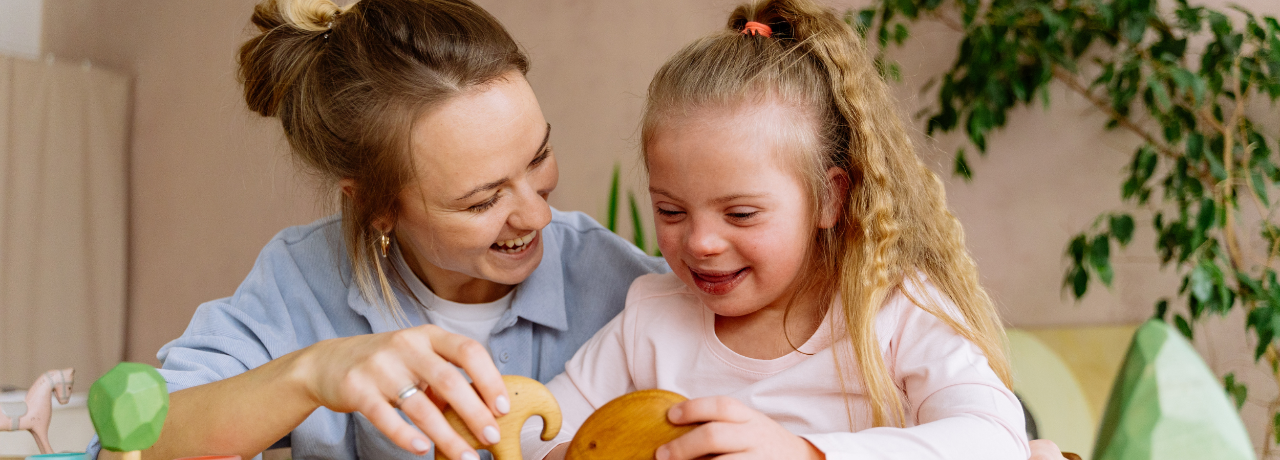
(301, 15)
(309, 15)
(273, 61)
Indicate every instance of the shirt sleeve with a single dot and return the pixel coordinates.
(227, 337)
(598, 373)
(959, 407)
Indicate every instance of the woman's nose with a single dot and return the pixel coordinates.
(703, 240)
(532, 211)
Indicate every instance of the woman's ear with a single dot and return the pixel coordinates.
(833, 205)
(381, 224)
(348, 186)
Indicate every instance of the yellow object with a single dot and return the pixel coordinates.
(1051, 393)
(528, 398)
(1093, 354)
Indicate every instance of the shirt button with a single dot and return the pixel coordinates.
(504, 357)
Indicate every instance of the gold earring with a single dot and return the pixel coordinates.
(384, 241)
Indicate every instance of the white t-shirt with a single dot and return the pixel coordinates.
(474, 320)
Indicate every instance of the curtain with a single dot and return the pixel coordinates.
(63, 219)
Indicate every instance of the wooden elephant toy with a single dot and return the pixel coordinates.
(528, 398)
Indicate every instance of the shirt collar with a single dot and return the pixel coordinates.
(540, 298)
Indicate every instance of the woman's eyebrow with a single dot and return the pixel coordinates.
(498, 183)
(542, 150)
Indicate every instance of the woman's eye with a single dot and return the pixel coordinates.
(485, 205)
(541, 158)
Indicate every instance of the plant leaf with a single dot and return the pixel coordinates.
(962, 166)
(1122, 228)
(1183, 326)
(612, 222)
(637, 225)
(1202, 283)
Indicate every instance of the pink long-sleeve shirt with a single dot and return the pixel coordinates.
(956, 406)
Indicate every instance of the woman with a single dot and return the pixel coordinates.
(419, 113)
(445, 252)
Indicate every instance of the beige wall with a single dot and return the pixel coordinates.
(210, 182)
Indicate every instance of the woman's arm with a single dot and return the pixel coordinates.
(246, 413)
(241, 415)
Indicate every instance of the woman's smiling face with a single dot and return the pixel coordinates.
(733, 219)
(470, 220)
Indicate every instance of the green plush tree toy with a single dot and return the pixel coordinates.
(128, 406)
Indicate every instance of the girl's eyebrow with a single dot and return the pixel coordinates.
(726, 199)
(538, 155)
(720, 200)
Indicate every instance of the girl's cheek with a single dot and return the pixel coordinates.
(668, 241)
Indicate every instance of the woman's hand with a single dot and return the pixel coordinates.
(733, 431)
(368, 373)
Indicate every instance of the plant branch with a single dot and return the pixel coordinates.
(1068, 79)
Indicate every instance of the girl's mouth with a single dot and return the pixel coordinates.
(718, 283)
(515, 245)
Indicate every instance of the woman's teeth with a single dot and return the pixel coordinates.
(513, 246)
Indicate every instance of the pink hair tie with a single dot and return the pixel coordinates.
(756, 28)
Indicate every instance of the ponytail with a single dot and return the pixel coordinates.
(895, 231)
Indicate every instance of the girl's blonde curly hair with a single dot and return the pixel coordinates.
(895, 228)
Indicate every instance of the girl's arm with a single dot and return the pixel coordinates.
(957, 408)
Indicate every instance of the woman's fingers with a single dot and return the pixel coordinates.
(368, 374)
(425, 415)
(437, 372)
(475, 360)
(448, 384)
(388, 421)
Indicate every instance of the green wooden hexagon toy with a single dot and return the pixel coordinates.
(128, 406)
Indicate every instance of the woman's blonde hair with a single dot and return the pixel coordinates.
(895, 228)
(347, 84)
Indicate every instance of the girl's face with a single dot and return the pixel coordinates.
(470, 221)
(733, 219)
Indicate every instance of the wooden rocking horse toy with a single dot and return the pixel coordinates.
(33, 414)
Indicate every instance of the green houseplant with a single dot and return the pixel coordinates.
(633, 209)
(1189, 81)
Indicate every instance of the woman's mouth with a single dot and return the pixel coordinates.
(718, 283)
(515, 245)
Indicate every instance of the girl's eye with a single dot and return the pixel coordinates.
(742, 215)
(486, 204)
(668, 212)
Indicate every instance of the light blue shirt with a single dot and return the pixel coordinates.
(300, 292)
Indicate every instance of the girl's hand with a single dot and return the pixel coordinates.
(733, 431)
(367, 373)
(1044, 449)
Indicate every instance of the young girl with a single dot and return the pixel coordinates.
(822, 302)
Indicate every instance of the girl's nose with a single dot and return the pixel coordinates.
(703, 240)
(532, 211)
